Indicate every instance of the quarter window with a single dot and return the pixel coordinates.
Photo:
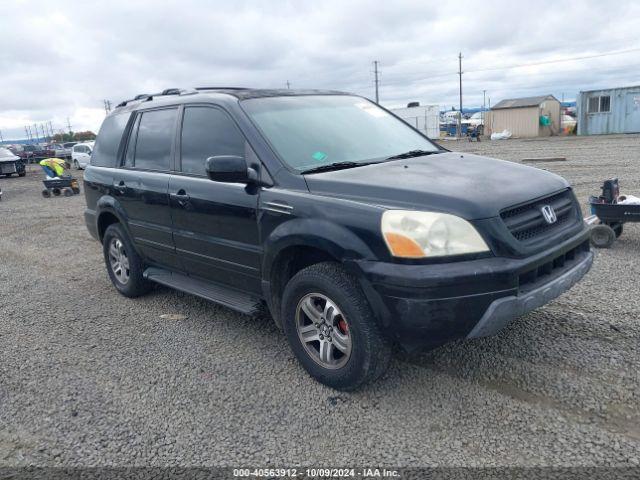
(207, 132)
(154, 140)
(105, 152)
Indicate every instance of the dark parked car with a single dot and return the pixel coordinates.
(30, 153)
(355, 230)
(11, 163)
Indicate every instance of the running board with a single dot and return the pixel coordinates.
(229, 297)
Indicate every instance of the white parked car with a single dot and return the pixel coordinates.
(81, 154)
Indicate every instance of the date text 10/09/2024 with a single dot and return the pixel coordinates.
(316, 473)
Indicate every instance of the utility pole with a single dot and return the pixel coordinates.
(69, 125)
(288, 85)
(376, 80)
(460, 111)
(484, 104)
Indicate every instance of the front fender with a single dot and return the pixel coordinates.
(338, 241)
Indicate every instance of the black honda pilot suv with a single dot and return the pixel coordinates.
(354, 229)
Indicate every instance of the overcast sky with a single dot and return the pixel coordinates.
(61, 59)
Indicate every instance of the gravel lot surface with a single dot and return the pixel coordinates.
(88, 377)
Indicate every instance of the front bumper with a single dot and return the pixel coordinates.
(424, 306)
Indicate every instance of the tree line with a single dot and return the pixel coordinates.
(74, 136)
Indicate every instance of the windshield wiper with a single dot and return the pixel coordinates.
(412, 153)
(335, 166)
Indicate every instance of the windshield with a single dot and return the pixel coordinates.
(315, 130)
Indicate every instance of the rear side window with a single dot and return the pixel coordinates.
(207, 132)
(105, 153)
(154, 140)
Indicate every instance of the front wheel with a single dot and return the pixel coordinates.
(124, 265)
(76, 165)
(602, 236)
(331, 328)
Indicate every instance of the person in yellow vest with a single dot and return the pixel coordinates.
(54, 167)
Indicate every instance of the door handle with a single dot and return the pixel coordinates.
(181, 197)
(121, 187)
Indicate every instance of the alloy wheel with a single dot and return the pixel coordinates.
(323, 330)
(119, 261)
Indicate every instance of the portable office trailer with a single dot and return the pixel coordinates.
(611, 110)
(425, 118)
(522, 116)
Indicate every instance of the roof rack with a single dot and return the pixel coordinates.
(149, 96)
(222, 88)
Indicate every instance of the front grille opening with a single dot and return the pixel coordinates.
(526, 222)
(539, 275)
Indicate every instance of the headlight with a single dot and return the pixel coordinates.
(411, 234)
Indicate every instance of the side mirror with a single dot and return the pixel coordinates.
(227, 168)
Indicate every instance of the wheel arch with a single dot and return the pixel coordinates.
(292, 247)
(110, 212)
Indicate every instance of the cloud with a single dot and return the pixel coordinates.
(61, 59)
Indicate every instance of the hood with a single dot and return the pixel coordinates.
(470, 186)
(7, 156)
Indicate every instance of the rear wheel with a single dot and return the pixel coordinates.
(617, 228)
(602, 236)
(124, 265)
(331, 328)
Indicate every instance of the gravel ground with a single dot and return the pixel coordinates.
(88, 377)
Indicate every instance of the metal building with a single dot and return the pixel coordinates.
(612, 110)
(425, 118)
(525, 117)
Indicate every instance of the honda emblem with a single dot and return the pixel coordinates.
(549, 214)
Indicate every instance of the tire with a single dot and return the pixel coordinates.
(76, 165)
(46, 193)
(617, 228)
(68, 192)
(602, 236)
(22, 174)
(132, 284)
(369, 352)
(56, 192)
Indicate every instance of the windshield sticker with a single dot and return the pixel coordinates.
(370, 109)
(319, 156)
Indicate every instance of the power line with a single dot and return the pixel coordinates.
(559, 60)
(430, 76)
